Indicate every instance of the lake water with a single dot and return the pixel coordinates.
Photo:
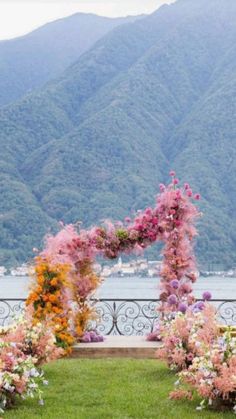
(127, 287)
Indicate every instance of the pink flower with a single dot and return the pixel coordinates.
(197, 196)
(189, 193)
(172, 173)
(175, 181)
(155, 221)
(162, 187)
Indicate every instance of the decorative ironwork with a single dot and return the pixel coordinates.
(226, 311)
(125, 317)
(122, 316)
(9, 309)
(138, 317)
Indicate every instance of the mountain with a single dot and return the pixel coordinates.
(28, 62)
(152, 95)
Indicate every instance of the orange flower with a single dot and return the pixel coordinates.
(52, 298)
(54, 282)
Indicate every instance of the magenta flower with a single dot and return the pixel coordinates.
(172, 173)
(172, 299)
(155, 221)
(197, 196)
(175, 181)
(182, 308)
(206, 296)
(199, 306)
(189, 193)
(86, 337)
(174, 284)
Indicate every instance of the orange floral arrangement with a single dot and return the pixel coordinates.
(49, 301)
(84, 283)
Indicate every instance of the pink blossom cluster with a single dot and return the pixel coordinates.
(177, 216)
(212, 374)
(18, 374)
(187, 335)
(35, 339)
(23, 348)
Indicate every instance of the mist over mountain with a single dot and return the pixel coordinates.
(152, 95)
(28, 62)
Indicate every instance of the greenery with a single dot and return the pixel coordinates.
(110, 389)
(153, 95)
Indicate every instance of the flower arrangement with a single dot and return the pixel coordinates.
(213, 375)
(37, 340)
(65, 279)
(84, 283)
(59, 305)
(49, 300)
(186, 335)
(177, 215)
(18, 375)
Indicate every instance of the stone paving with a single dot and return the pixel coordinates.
(117, 347)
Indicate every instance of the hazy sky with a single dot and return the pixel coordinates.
(18, 17)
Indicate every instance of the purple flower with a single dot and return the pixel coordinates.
(182, 308)
(86, 337)
(206, 296)
(172, 299)
(93, 336)
(199, 306)
(174, 284)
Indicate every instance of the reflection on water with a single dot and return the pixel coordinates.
(126, 287)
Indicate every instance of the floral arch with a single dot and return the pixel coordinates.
(64, 275)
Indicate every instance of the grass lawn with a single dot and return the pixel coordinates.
(109, 389)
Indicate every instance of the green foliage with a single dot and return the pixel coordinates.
(150, 96)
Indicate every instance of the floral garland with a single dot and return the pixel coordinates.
(170, 221)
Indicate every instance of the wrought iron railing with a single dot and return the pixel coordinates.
(10, 308)
(122, 316)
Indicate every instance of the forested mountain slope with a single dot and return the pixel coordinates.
(28, 62)
(152, 95)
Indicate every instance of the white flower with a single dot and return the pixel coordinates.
(33, 385)
(41, 402)
(8, 387)
(34, 372)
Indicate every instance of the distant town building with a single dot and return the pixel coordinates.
(3, 270)
(22, 270)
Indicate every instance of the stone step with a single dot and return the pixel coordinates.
(117, 347)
